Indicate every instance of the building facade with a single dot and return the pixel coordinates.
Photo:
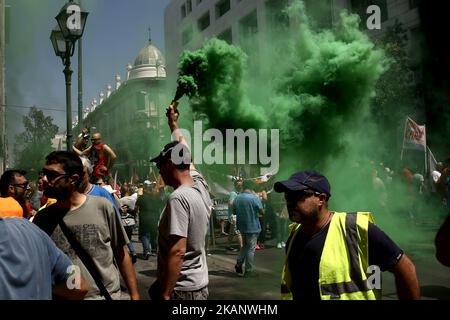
(189, 22)
(131, 118)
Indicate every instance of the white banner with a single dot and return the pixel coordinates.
(415, 136)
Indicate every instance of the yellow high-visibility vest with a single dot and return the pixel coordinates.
(344, 260)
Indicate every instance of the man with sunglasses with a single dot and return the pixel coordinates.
(13, 190)
(100, 154)
(182, 266)
(92, 221)
(336, 255)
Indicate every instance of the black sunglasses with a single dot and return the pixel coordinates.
(292, 197)
(52, 175)
(22, 185)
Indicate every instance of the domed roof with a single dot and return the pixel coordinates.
(149, 63)
(150, 55)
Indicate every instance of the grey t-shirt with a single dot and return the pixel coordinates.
(187, 215)
(98, 230)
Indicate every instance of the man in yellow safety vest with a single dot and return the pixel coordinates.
(336, 255)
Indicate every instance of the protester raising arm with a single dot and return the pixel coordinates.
(172, 117)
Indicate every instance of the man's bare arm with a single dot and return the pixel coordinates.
(82, 153)
(177, 250)
(406, 279)
(111, 156)
(62, 291)
(172, 117)
(127, 271)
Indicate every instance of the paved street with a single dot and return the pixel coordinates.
(226, 284)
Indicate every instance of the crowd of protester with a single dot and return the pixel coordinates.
(86, 220)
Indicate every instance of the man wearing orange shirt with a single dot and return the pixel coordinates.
(13, 188)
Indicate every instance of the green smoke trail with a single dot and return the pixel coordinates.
(213, 78)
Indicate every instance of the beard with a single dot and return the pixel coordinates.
(299, 216)
(56, 192)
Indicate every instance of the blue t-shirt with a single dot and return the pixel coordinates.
(98, 191)
(246, 207)
(30, 262)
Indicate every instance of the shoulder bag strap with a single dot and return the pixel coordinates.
(86, 259)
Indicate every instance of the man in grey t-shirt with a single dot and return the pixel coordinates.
(182, 266)
(91, 220)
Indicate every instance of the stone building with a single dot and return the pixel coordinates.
(131, 118)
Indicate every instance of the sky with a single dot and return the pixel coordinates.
(115, 32)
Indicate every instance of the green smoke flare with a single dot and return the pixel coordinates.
(213, 78)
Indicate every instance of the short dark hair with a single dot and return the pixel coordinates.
(8, 178)
(105, 179)
(70, 162)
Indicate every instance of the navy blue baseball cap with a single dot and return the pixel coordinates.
(177, 152)
(304, 180)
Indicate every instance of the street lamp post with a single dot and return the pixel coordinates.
(71, 21)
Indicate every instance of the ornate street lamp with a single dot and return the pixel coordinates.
(71, 21)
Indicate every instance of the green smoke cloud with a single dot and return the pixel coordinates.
(325, 91)
(213, 78)
(316, 94)
(318, 88)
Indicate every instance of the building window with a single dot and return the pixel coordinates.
(153, 111)
(204, 22)
(188, 6)
(248, 26)
(222, 7)
(183, 11)
(186, 36)
(360, 7)
(140, 100)
(226, 36)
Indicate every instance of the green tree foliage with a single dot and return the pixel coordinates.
(34, 143)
